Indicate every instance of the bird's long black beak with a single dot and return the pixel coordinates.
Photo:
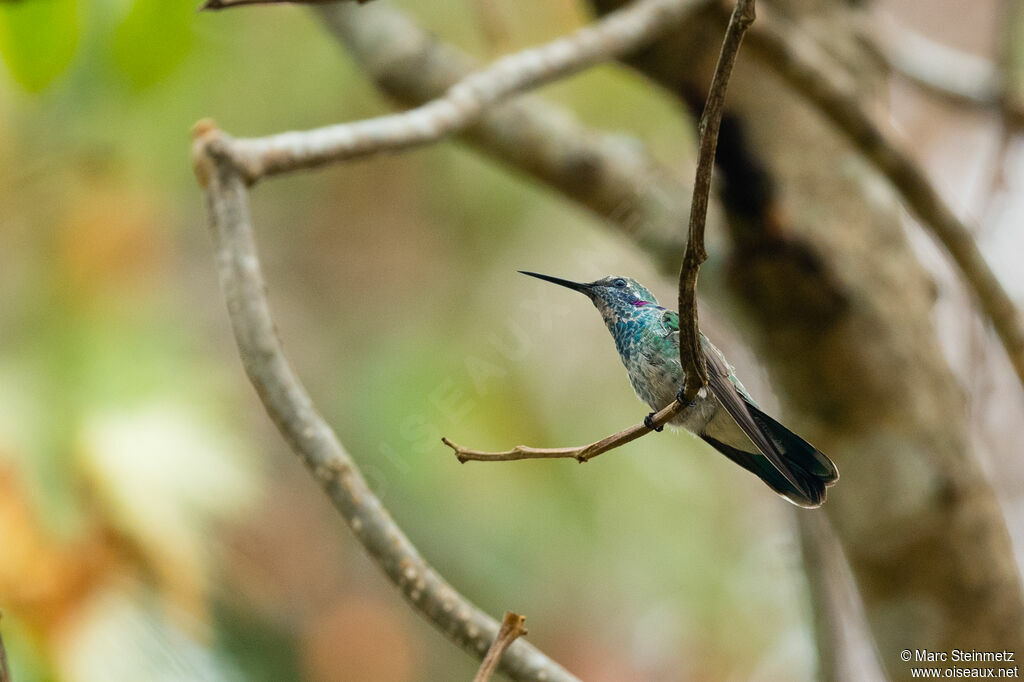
(575, 286)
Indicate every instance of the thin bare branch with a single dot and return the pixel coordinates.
(784, 50)
(312, 439)
(691, 354)
(511, 630)
(823, 568)
(614, 35)
(844, 649)
(228, 4)
(955, 76)
(583, 453)
(938, 68)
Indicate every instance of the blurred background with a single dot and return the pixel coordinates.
(152, 523)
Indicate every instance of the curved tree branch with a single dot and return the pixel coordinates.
(292, 411)
(957, 77)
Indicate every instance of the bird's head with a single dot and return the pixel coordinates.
(614, 296)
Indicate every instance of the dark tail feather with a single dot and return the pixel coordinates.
(809, 467)
(795, 450)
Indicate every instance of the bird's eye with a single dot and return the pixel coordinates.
(619, 283)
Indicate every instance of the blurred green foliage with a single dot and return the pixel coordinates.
(38, 39)
(153, 39)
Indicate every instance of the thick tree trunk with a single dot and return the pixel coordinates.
(838, 309)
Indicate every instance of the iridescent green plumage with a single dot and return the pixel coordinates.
(723, 414)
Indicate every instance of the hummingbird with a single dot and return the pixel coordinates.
(723, 414)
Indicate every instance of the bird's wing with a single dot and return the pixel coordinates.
(740, 410)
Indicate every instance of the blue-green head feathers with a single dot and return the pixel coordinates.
(620, 295)
(612, 293)
(628, 307)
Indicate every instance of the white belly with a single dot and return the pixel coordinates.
(697, 418)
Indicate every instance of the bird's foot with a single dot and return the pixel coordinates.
(649, 423)
(681, 397)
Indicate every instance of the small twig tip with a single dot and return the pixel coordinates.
(203, 128)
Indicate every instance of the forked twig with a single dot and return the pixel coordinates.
(583, 453)
(511, 630)
(228, 4)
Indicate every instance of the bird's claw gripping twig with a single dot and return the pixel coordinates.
(649, 423)
(681, 398)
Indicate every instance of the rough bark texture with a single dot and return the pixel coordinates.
(838, 309)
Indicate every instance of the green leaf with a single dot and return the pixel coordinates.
(38, 39)
(153, 40)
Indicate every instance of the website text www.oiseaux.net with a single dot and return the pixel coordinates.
(961, 664)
